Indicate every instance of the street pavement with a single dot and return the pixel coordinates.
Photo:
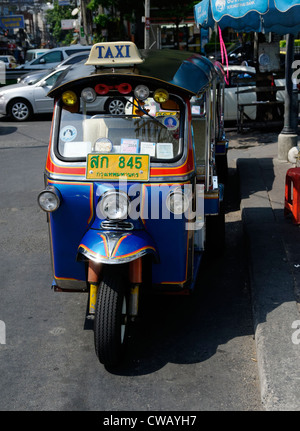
(274, 269)
(273, 244)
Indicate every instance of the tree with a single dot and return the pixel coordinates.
(109, 15)
(54, 17)
(176, 12)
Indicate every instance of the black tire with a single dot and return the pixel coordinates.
(111, 318)
(19, 110)
(115, 105)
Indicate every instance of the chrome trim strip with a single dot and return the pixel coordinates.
(80, 178)
(113, 261)
(70, 284)
(116, 225)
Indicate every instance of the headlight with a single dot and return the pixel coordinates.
(69, 98)
(88, 95)
(114, 205)
(141, 92)
(177, 202)
(160, 95)
(102, 145)
(49, 199)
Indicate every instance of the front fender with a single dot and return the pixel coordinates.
(116, 247)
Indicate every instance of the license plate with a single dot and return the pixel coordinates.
(115, 167)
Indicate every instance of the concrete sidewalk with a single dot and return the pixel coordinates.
(274, 266)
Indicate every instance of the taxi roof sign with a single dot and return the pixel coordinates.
(114, 54)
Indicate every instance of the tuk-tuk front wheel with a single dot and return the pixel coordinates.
(111, 319)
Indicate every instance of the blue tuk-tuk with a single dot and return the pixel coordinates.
(131, 180)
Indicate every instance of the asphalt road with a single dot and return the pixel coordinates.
(187, 354)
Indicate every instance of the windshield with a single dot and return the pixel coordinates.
(32, 79)
(120, 125)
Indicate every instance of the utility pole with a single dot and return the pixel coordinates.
(86, 21)
(288, 137)
(147, 24)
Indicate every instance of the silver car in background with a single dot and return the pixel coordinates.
(34, 75)
(20, 101)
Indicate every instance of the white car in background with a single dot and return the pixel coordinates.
(54, 56)
(236, 74)
(9, 61)
(233, 75)
(34, 75)
(21, 101)
(32, 54)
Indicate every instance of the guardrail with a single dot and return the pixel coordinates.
(11, 76)
(270, 104)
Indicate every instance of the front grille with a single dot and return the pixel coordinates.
(116, 225)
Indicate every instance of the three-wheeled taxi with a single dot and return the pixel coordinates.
(132, 195)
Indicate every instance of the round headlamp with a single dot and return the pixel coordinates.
(141, 92)
(69, 98)
(160, 95)
(114, 205)
(177, 202)
(88, 95)
(49, 199)
(102, 145)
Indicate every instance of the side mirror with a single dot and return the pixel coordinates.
(42, 61)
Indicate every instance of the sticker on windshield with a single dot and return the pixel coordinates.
(68, 133)
(170, 122)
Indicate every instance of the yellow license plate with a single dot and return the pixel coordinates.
(115, 167)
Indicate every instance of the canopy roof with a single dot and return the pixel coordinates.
(190, 72)
(278, 16)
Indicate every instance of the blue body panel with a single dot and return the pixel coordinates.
(114, 247)
(172, 247)
(211, 204)
(170, 234)
(76, 223)
(67, 226)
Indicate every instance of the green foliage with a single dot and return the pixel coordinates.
(177, 10)
(101, 20)
(54, 17)
(282, 43)
(109, 15)
(174, 12)
(112, 20)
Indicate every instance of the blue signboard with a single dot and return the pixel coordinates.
(12, 21)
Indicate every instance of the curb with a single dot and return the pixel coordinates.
(272, 289)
